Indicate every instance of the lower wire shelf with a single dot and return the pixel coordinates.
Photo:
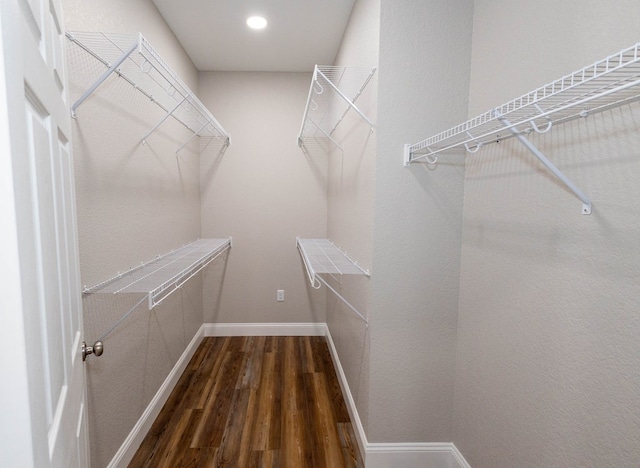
(322, 256)
(159, 278)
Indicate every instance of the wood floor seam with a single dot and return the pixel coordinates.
(254, 402)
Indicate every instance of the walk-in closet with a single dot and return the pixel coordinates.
(351, 233)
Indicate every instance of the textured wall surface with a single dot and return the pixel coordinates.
(351, 189)
(423, 82)
(134, 202)
(263, 192)
(510, 328)
(547, 362)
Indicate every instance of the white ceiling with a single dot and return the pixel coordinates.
(300, 33)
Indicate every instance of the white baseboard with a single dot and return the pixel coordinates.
(376, 455)
(459, 460)
(128, 449)
(358, 429)
(392, 455)
(422, 455)
(265, 329)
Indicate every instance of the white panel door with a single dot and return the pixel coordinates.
(43, 421)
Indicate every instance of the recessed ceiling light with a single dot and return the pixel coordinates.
(256, 22)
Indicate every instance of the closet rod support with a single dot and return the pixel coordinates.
(195, 134)
(102, 77)
(167, 115)
(355, 98)
(347, 100)
(586, 202)
(344, 300)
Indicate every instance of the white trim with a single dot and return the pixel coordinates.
(459, 458)
(376, 455)
(423, 455)
(358, 429)
(265, 329)
(128, 449)
(387, 455)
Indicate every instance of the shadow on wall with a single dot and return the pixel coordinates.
(540, 218)
(350, 333)
(439, 188)
(212, 149)
(212, 284)
(315, 298)
(141, 346)
(315, 151)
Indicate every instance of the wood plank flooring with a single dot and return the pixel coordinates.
(254, 402)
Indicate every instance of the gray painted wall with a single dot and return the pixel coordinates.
(351, 190)
(509, 327)
(263, 192)
(547, 359)
(134, 202)
(424, 75)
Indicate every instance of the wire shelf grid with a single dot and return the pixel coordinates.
(166, 273)
(333, 92)
(132, 57)
(322, 256)
(607, 83)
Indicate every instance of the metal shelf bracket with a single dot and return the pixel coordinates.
(322, 256)
(132, 58)
(112, 68)
(332, 94)
(586, 202)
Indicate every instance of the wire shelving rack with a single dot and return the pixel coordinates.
(131, 57)
(607, 83)
(333, 92)
(321, 256)
(165, 274)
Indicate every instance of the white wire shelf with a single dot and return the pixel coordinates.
(322, 256)
(333, 92)
(607, 83)
(131, 57)
(166, 273)
(610, 82)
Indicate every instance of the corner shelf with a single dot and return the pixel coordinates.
(131, 57)
(333, 91)
(165, 274)
(322, 256)
(610, 82)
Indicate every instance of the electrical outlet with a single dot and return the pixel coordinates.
(280, 295)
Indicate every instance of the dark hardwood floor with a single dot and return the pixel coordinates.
(254, 402)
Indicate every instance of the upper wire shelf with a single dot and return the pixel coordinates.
(612, 81)
(322, 256)
(333, 91)
(607, 83)
(131, 57)
(166, 273)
